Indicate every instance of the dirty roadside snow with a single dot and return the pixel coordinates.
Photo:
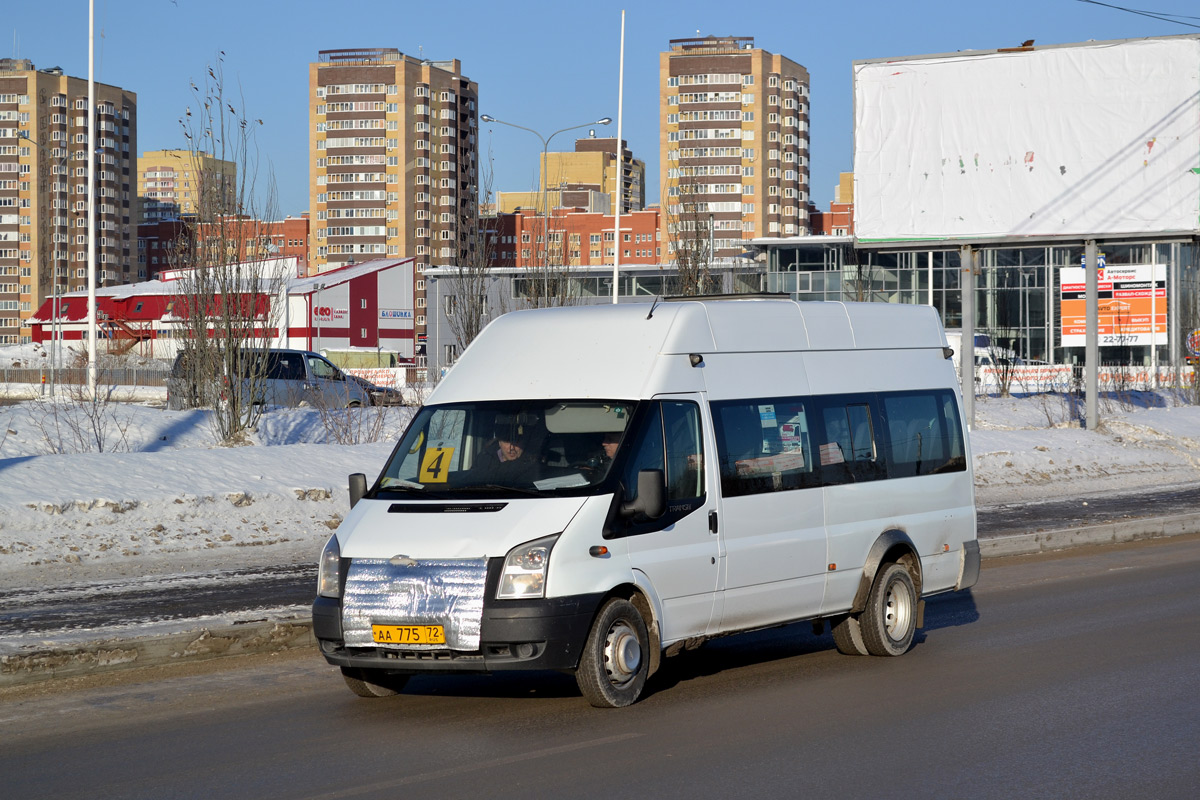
(171, 502)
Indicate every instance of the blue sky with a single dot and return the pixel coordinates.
(544, 65)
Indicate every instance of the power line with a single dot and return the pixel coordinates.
(1162, 16)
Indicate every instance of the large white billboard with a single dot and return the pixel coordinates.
(1069, 141)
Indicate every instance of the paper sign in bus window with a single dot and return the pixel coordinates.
(831, 453)
(435, 464)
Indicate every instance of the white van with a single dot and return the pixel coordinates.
(592, 488)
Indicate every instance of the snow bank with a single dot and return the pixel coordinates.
(170, 501)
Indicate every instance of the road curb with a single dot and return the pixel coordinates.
(52, 661)
(1133, 530)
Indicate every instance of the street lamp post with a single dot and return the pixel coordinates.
(545, 185)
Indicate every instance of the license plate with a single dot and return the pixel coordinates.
(408, 634)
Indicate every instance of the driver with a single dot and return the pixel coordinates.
(512, 460)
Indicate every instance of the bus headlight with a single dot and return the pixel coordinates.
(524, 575)
(329, 583)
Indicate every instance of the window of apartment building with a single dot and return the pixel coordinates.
(747, 80)
(773, 80)
(672, 81)
(773, 100)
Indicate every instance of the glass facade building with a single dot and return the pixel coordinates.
(1018, 297)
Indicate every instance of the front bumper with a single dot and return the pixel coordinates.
(514, 635)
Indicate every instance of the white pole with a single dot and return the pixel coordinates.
(1153, 324)
(930, 270)
(620, 165)
(91, 199)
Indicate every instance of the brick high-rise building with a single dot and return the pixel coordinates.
(593, 164)
(393, 161)
(168, 183)
(733, 143)
(580, 178)
(43, 188)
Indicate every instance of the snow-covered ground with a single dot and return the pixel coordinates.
(170, 501)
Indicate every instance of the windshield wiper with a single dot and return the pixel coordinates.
(496, 487)
(401, 485)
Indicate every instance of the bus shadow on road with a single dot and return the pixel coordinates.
(795, 639)
(949, 611)
(714, 656)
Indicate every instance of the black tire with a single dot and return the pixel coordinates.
(890, 619)
(847, 636)
(372, 682)
(616, 657)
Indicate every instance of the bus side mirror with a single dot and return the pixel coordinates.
(358, 488)
(651, 496)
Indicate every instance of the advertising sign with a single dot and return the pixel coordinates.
(1058, 141)
(1132, 302)
(329, 314)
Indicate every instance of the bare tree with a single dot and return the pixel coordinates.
(689, 236)
(861, 273)
(1001, 329)
(549, 274)
(468, 307)
(229, 294)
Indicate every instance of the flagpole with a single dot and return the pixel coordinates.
(91, 200)
(620, 167)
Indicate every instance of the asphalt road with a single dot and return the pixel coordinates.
(28, 610)
(1063, 675)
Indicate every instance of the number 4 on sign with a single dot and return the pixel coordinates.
(435, 464)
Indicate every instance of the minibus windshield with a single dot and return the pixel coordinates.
(499, 448)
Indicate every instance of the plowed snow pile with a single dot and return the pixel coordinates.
(170, 500)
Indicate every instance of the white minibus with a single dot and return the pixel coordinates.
(591, 489)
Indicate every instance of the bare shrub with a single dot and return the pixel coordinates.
(79, 422)
(352, 425)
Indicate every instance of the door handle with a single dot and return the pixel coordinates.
(712, 522)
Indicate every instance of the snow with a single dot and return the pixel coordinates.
(169, 501)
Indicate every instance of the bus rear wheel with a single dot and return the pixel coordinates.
(889, 621)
